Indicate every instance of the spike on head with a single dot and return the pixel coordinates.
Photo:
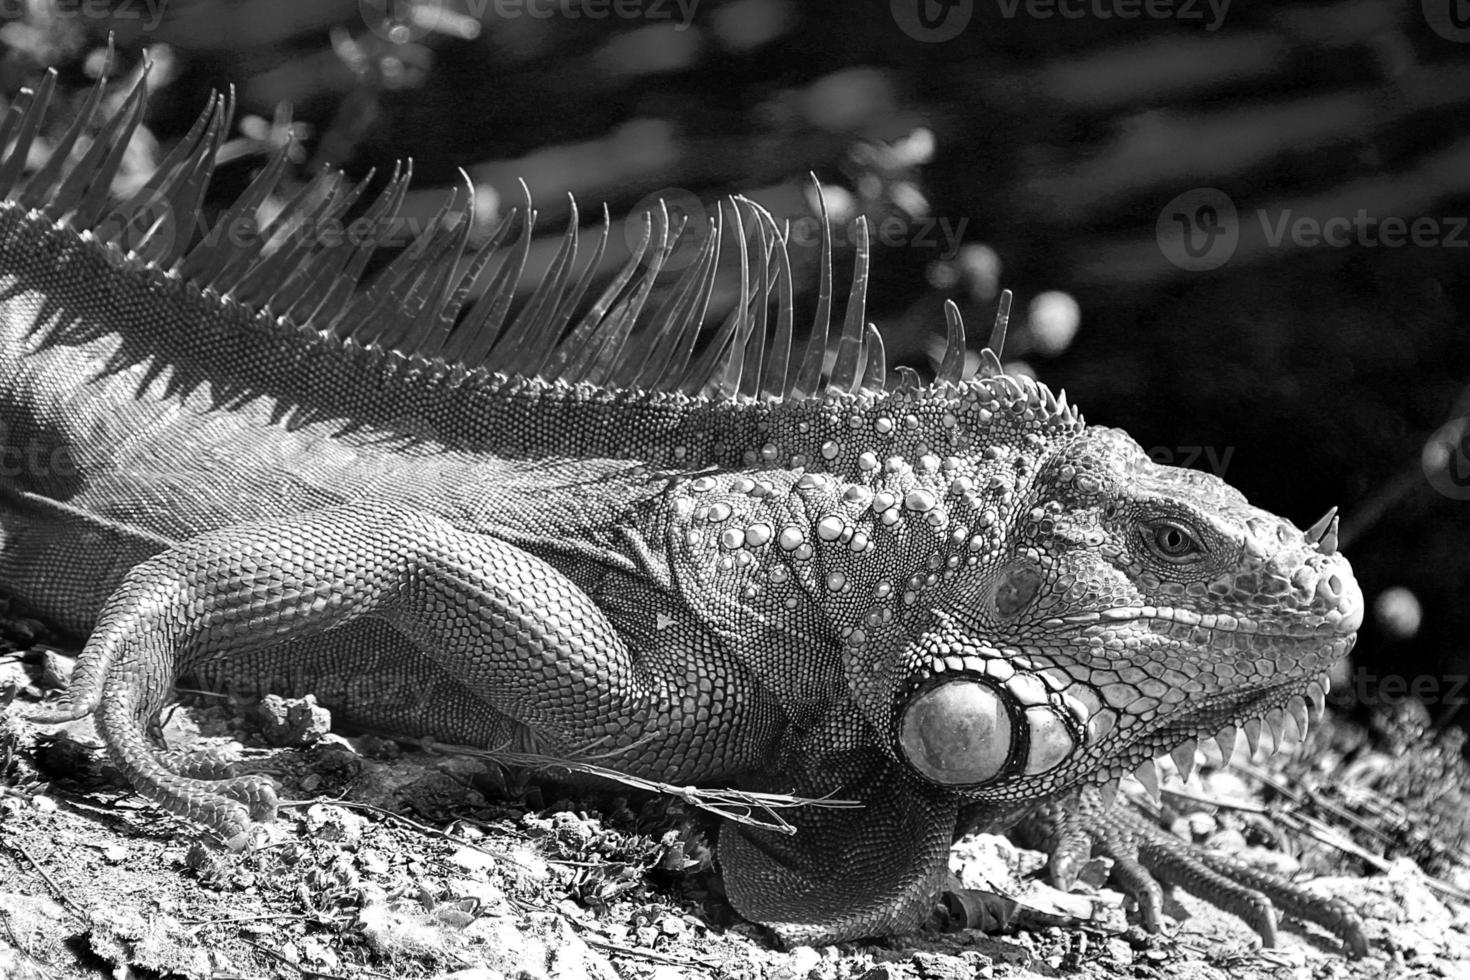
(1314, 533)
(1002, 322)
(1328, 544)
(952, 368)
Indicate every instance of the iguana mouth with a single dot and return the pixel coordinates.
(1260, 709)
(1253, 712)
(1346, 620)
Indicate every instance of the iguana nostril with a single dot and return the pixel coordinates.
(1015, 589)
(1349, 606)
(957, 733)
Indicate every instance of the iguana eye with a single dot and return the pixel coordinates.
(1171, 541)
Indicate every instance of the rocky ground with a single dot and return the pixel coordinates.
(403, 861)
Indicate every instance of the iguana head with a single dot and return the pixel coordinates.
(1126, 609)
(1022, 602)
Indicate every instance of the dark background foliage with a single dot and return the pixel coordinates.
(1048, 146)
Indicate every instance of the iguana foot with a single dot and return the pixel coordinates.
(1145, 855)
(228, 806)
(194, 785)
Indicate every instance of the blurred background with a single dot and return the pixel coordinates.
(1237, 231)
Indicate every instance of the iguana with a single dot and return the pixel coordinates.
(584, 525)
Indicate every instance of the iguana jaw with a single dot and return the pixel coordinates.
(1255, 711)
(1024, 737)
(1270, 711)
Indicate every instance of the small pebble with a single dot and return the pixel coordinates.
(1230, 841)
(803, 959)
(1202, 825)
(471, 859)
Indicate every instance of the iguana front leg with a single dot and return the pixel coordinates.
(846, 872)
(1145, 855)
(513, 631)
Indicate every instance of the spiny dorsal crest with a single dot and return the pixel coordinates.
(416, 316)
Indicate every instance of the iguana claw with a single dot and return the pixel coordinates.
(1146, 858)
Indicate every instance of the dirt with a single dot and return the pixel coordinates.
(417, 862)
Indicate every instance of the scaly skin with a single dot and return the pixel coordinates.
(937, 600)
